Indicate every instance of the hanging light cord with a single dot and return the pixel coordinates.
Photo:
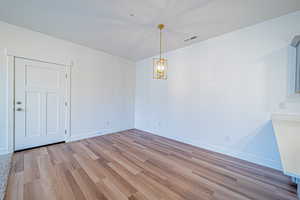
(160, 45)
(160, 26)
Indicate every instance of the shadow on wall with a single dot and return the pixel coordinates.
(261, 142)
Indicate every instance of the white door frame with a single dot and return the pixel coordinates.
(10, 66)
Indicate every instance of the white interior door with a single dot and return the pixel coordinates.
(40, 95)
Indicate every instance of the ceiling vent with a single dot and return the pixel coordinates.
(191, 38)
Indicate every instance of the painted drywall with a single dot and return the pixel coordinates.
(102, 86)
(221, 92)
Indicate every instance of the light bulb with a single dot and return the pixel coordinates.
(160, 67)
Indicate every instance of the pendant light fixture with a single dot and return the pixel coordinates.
(160, 64)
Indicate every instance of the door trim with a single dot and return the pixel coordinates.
(10, 119)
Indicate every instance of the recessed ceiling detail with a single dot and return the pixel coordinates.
(109, 25)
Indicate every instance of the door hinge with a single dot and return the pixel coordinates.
(65, 132)
(66, 75)
(66, 103)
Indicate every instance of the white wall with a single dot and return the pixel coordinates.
(220, 92)
(102, 85)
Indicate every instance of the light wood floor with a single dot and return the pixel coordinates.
(137, 165)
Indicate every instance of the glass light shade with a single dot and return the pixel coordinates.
(160, 68)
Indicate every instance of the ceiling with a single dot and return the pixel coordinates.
(127, 28)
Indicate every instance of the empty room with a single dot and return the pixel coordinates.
(150, 100)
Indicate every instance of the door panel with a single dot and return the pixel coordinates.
(50, 79)
(40, 93)
(33, 114)
(52, 113)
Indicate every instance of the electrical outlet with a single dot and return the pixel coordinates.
(282, 105)
(159, 124)
(107, 124)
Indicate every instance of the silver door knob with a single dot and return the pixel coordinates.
(19, 109)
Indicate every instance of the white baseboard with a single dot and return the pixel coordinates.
(294, 176)
(237, 154)
(81, 136)
(230, 152)
(242, 155)
(4, 151)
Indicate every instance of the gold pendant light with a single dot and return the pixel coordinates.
(160, 64)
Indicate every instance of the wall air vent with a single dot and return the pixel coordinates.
(191, 38)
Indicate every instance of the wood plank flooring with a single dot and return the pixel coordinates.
(133, 165)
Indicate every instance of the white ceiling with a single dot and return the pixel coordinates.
(107, 25)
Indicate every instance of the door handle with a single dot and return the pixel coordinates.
(19, 109)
